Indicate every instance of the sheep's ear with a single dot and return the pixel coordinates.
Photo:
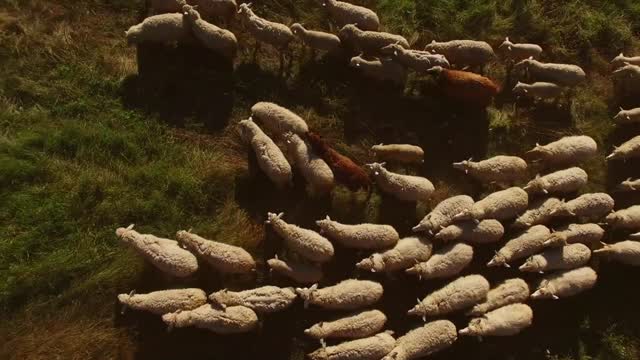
(433, 41)
(621, 109)
(130, 227)
(621, 54)
(280, 215)
(530, 57)
(276, 256)
(509, 47)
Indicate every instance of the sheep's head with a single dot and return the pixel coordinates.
(375, 168)
(348, 31)
(276, 263)
(622, 115)
(520, 88)
(530, 264)
(628, 185)
(436, 70)
(498, 260)
(464, 165)
(222, 298)
(190, 12)
(613, 219)
(125, 234)
(392, 50)
(273, 217)
(245, 9)
(537, 151)
(506, 46)
(307, 294)
(556, 239)
(523, 65)
(297, 28)
(618, 61)
(466, 214)
(326, 222)
(357, 61)
(440, 60)
(474, 326)
(373, 263)
(316, 330)
(432, 47)
(537, 185)
(562, 210)
(543, 292)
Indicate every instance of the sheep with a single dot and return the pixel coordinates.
(560, 182)
(621, 60)
(561, 258)
(523, 245)
(277, 119)
(348, 294)
(566, 283)
(164, 254)
(270, 158)
(629, 185)
(407, 252)
(560, 74)
(628, 218)
(383, 69)
(401, 153)
(590, 206)
(629, 149)
(587, 234)
(463, 52)
(501, 168)
(315, 170)
(447, 262)
(627, 116)
(569, 150)
(539, 212)
(222, 257)
(356, 326)
(403, 187)
(500, 205)
(316, 40)
(361, 236)
(273, 33)
(371, 348)
(423, 341)
(344, 13)
(231, 320)
(442, 215)
(164, 301)
(510, 291)
(538, 91)
(457, 295)
(164, 28)
(369, 42)
(212, 37)
(417, 60)
(262, 300)
(485, 232)
(514, 52)
(304, 242)
(465, 86)
(505, 321)
(626, 252)
(298, 272)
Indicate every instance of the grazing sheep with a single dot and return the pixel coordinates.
(560, 258)
(383, 69)
(448, 261)
(403, 187)
(361, 236)
(485, 232)
(231, 320)
(569, 150)
(588, 234)
(506, 321)
(344, 13)
(566, 283)
(164, 301)
(500, 205)
(463, 52)
(369, 42)
(621, 60)
(346, 295)
(164, 254)
(500, 169)
(629, 149)
(402, 153)
(270, 158)
(457, 295)
(423, 341)
(628, 218)
(629, 185)
(525, 244)
(266, 299)
(315, 170)
(371, 348)
(538, 90)
(420, 61)
(590, 206)
(442, 215)
(222, 257)
(560, 182)
(407, 252)
(277, 119)
(539, 212)
(304, 242)
(466, 86)
(561, 74)
(626, 252)
(212, 37)
(164, 28)
(275, 34)
(517, 52)
(356, 326)
(511, 291)
(298, 272)
(316, 40)
(627, 116)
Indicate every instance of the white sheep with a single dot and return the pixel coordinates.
(407, 252)
(212, 37)
(505, 321)
(561, 258)
(264, 31)
(423, 341)
(459, 294)
(222, 257)
(485, 232)
(304, 242)
(299, 272)
(629, 149)
(369, 42)
(569, 150)
(590, 206)
(500, 169)
(463, 52)
(626, 252)
(401, 153)
(164, 254)
(420, 61)
(588, 234)
(278, 119)
(511, 291)
(621, 60)
(561, 74)
(523, 245)
(316, 40)
(344, 13)
(270, 158)
(539, 212)
(231, 320)
(371, 348)
(356, 326)
(500, 205)
(383, 69)
(560, 182)
(164, 301)
(538, 91)
(566, 283)
(404, 187)
(627, 116)
(442, 215)
(263, 300)
(348, 294)
(629, 185)
(315, 170)
(517, 52)
(447, 261)
(628, 218)
(164, 28)
(361, 236)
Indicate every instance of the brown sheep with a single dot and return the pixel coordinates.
(466, 86)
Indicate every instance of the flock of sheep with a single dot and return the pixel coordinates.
(442, 245)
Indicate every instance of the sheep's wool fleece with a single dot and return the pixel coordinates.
(265, 299)
(346, 295)
(222, 257)
(361, 236)
(511, 291)
(457, 295)
(362, 324)
(165, 301)
(371, 348)
(425, 340)
(567, 283)
(442, 215)
(231, 320)
(505, 321)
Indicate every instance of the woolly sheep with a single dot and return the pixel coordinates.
(562, 258)
(211, 36)
(231, 320)
(315, 170)
(423, 341)
(587, 234)
(457, 295)
(164, 254)
(265, 299)
(484, 232)
(539, 212)
(348, 294)
(505, 321)
(164, 28)
(448, 261)
(627, 116)
(621, 60)
(463, 52)
(511, 291)
(402, 153)
(298, 272)
(629, 185)
(502, 169)
(566, 283)
(500, 205)
(538, 91)
(407, 252)
(517, 52)
(344, 13)
(523, 245)
(626, 252)
(275, 34)
(316, 40)
(304, 242)
(380, 69)
(361, 236)
(417, 60)
(371, 348)
(403, 187)
(164, 301)
(561, 74)
(465, 86)
(591, 206)
(568, 150)
(369, 42)
(222, 257)
(277, 119)
(560, 182)
(356, 326)
(628, 218)
(442, 215)
(629, 149)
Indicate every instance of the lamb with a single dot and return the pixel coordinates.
(457, 295)
(588, 234)
(315, 170)
(447, 262)
(627, 116)
(569, 150)
(505, 321)
(344, 13)
(306, 243)
(298, 272)
(273, 33)
(359, 325)
(371, 348)
(269, 156)
(538, 91)
(316, 40)
(369, 42)
(262, 300)
(590, 206)
(231, 320)
(539, 212)
(628, 218)
(463, 52)
(225, 258)
(403, 187)
(442, 215)
(500, 205)
(466, 86)
(566, 283)
(517, 52)
(417, 60)
(560, 74)
(164, 28)
(485, 232)
(525, 244)
(361, 236)
(511, 291)
(383, 69)
(503, 169)
(621, 60)
(212, 37)
(164, 301)
(560, 258)
(423, 341)
(401, 153)
(560, 182)
(407, 252)
(626, 252)
(164, 254)
(629, 185)
(277, 119)
(629, 149)
(348, 294)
